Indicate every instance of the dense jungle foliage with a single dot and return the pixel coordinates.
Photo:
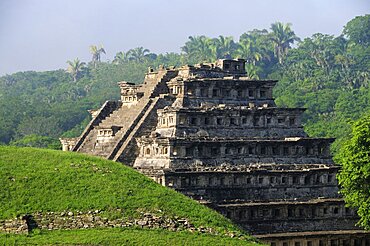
(328, 75)
(354, 176)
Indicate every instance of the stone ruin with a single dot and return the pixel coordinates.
(216, 135)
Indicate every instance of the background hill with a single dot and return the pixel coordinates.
(326, 74)
(43, 181)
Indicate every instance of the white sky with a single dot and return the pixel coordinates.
(44, 34)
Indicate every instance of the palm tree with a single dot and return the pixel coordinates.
(204, 47)
(120, 58)
(190, 46)
(223, 47)
(170, 59)
(282, 36)
(75, 68)
(256, 41)
(199, 48)
(96, 52)
(252, 71)
(248, 51)
(138, 54)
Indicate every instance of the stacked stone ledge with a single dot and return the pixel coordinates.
(95, 219)
(217, 136)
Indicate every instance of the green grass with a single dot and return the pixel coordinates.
(34, 180)
(118, 237)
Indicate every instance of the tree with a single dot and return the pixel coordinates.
(170, 59)
(96, 52)
(358, 30)
(282, 36)
(354, 176)
(252, 71)
(247, 51)
(199, 48)
(138, 54)
(222, 47)
(259, 42)
(75, 68)
(120, 58)
(37, 142)
(323, 48)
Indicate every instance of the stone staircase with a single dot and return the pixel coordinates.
(126, 150)
(128, 118)
(129, 134)
(89, 135)
(116, 118)
(153, 92)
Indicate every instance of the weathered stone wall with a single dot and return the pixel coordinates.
(92, 219)
(325, 238)
(16, 225)
(95, 219)
(192, 153)
(290, 216)
(229, 91)
(231, 122)
(255, 185)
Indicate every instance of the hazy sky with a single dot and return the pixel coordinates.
(44, 34)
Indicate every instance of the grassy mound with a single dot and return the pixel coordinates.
(34, 180)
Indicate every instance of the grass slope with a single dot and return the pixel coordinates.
(47, 180)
